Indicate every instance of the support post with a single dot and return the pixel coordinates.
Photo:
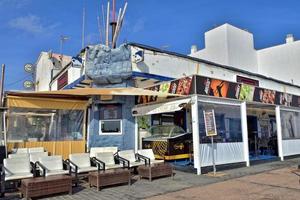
(136, 134)
(245, 133)
(279, 133)
(5, 132)
(195, 129)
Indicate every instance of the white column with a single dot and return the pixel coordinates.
(279, 132)
(136, 134)
(195, 129)
(245, 132)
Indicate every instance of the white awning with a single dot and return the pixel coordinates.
(166, 107)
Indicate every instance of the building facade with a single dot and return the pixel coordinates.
(258, 120)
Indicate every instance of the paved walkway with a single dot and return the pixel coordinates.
(184, 182)
(278, 184)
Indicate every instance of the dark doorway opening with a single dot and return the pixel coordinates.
(262, 137)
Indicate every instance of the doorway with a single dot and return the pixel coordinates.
(262, 133)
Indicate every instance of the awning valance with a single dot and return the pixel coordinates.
(130, 91)
(166, 107)
(45, 103)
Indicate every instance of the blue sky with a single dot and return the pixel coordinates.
(30, 26)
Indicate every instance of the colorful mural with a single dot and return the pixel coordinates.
(224, 89)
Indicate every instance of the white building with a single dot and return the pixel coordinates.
(47, 66)
(263, 126)
(232, 46)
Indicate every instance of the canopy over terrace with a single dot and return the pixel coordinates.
(56, 119)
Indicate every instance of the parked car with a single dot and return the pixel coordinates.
(168, 142)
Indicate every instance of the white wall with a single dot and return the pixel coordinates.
(73, 75)
(291, 147)
(43, 72)
(281, 62)
(229, 46)
(225, 153)
(176, 67)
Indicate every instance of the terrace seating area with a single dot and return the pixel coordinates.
(30, 168)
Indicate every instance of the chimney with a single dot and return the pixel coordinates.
(194, 49)
(289, 38)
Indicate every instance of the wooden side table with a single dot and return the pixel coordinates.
(40, 186)
(109, 177)
(155, 170)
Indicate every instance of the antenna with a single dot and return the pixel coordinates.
(99, 27)
(113, 24)
(119, 25)
(63, 38)
(83, 27)
(107, 25)
(114, 11)
(103, 23)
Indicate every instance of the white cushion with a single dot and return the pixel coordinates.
(16, 165)
(128, 155)
(20, 150)
(87, 169)
(52, 162)
(36, 149)
(114, 166)
(56, 172)
(156, 161)
(147, 153)
(106, 157)
(95, 150)
(18, 155)
(18, 176)
(36, 156)
(134, 164)
(82, 160)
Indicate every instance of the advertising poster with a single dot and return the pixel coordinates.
(164, 87)
(233, 90)
(288, 124)
(218, 88)
(285, 99)
(295, 101)
(184, 86)
(264, 95)
(203, 85)
(173, 87)
(246, 93)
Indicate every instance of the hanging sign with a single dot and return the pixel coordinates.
(210, 122)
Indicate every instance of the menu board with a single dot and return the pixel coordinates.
(210, 122)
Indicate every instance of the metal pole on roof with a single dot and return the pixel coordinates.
(107, 25)
(2, 84)
(83, 28)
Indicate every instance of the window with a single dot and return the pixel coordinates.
(228, 123)
(111, 119)
(26, 124)
(290, 123)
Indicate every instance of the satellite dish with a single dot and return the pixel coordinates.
(29, 68)
(28, 84)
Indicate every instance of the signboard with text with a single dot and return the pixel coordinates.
(210, 122)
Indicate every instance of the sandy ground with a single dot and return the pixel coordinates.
(275, 185)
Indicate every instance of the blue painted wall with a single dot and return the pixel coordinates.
(124, 141)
